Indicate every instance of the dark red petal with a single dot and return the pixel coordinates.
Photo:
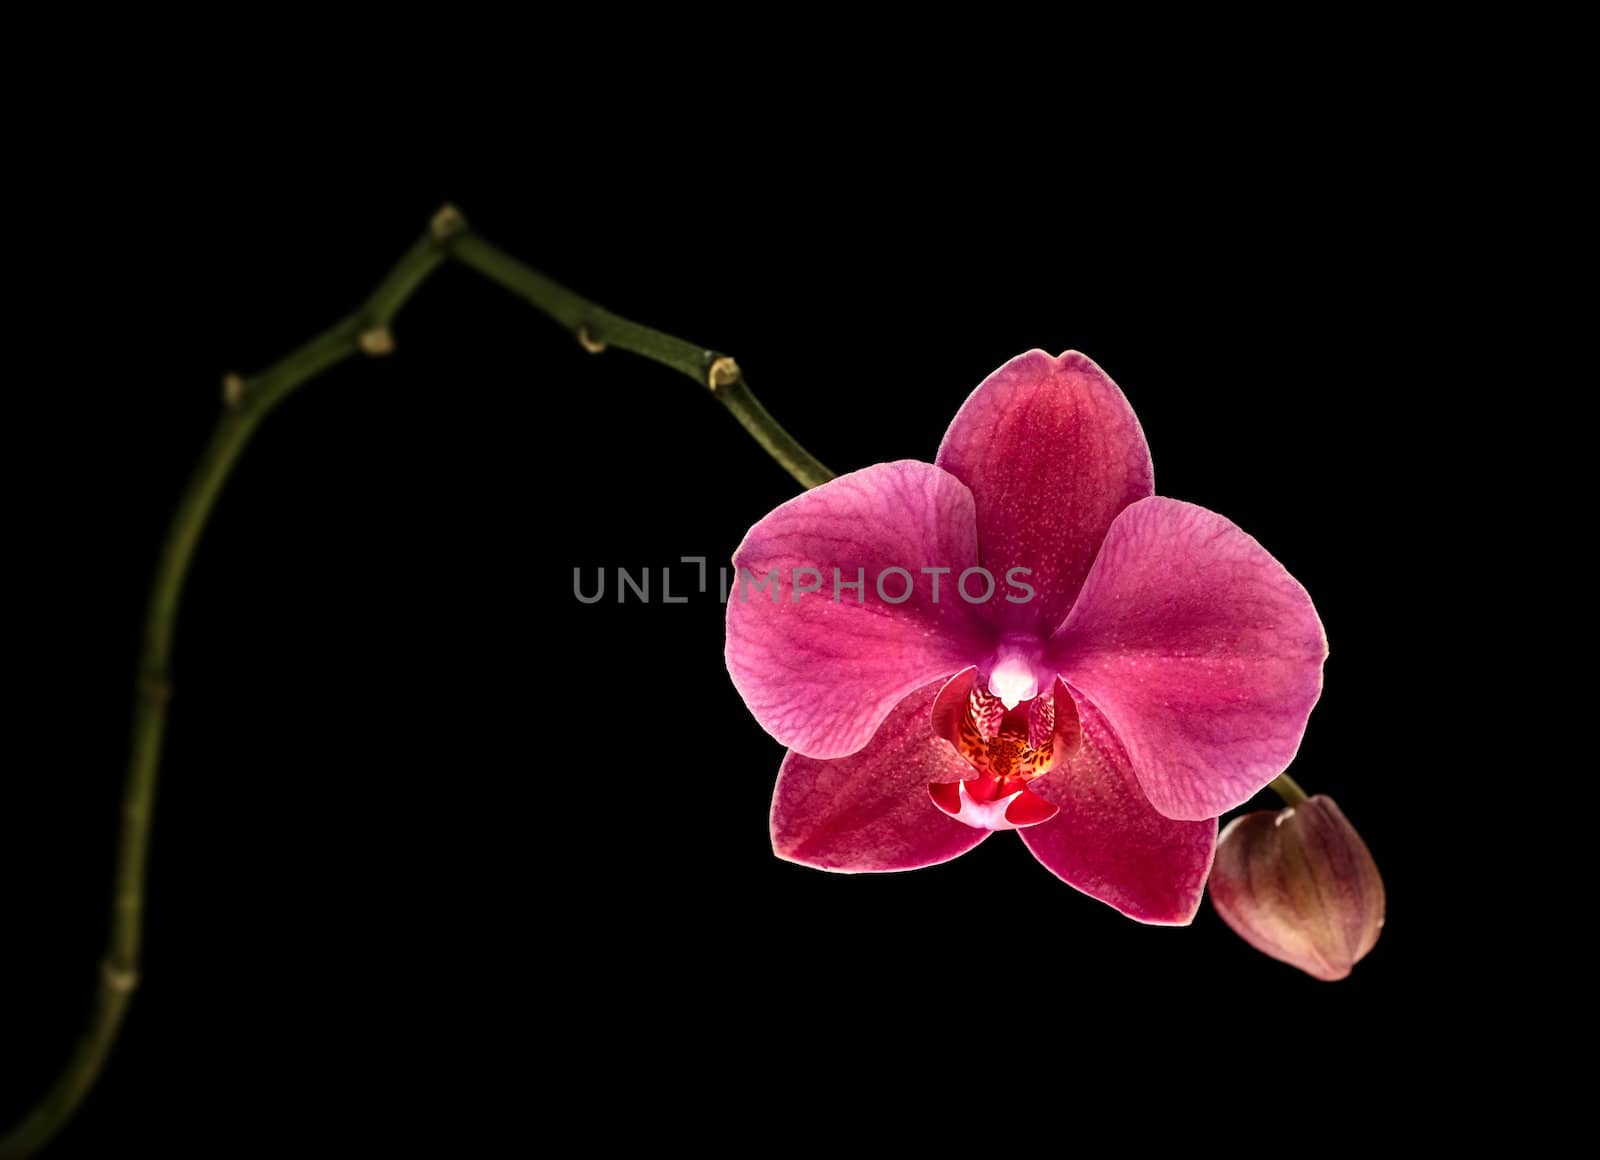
(871, 811)
(1110, 843)
(1029, 809)
(1052, 452)
(946, 795)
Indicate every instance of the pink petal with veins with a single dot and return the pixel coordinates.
(821, 674)
(1203, 654)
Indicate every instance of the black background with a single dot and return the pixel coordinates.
(439, 849)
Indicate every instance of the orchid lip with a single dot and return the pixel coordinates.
(1006, 746)
(1014, 811)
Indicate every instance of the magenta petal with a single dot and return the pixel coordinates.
(1203, 654)
(821, 673)
(1052, 452)
(871, 810)
(1108, 842)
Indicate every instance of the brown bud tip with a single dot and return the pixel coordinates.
(447, 223)
(1300, 885)
(377, 340)
(724, 372)
(588, 341)
(232, 390)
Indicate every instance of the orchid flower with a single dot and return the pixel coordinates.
(1143, 667)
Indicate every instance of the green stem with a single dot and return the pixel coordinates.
(597, 328)
(1288, 789)
(247, 401)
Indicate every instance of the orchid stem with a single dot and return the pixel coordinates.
(245, 402)
(597, 328)
(1288, 789)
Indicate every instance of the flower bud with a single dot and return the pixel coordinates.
(1299, 884)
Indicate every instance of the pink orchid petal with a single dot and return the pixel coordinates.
(1203, 654)
(1108, 842)
(821, 674)
(1052, 452)
(871, 811)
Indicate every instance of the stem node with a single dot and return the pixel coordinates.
(118, 980)
(447, 223)
(724, 372)
(377, 340)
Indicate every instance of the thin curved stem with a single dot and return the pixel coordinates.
(1288, 789)
(597, 328)
(246, 403)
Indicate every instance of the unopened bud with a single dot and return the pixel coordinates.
(1300, 885)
